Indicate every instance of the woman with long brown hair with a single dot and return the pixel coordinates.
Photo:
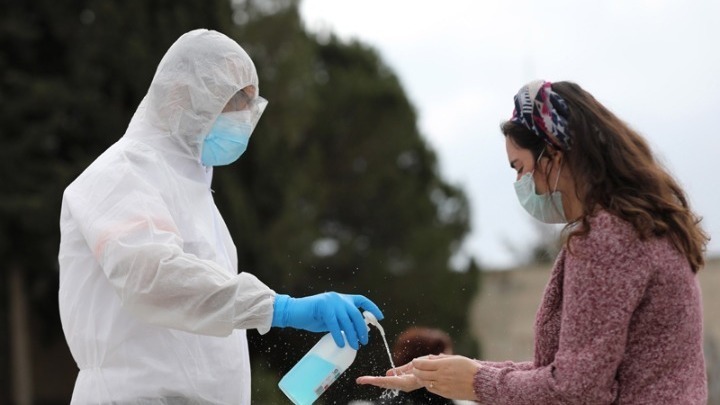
(621, 319)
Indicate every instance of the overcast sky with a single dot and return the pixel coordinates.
(655, 63)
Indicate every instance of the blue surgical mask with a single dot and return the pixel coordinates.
(547, 207)
(228, 138)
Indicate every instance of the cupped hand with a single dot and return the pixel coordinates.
(399, 378)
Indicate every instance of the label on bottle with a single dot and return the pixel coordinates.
(327, 382)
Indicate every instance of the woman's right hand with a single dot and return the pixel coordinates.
(398, 378)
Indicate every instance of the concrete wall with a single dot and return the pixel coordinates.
(503, 315)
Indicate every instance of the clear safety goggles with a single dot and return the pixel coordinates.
(241, 101)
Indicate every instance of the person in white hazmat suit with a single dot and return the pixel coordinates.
(151, 302)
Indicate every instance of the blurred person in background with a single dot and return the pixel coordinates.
(152, 305)
(621, 318)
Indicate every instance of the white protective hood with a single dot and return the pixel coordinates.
(151, 302)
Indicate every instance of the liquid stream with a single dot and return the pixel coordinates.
(388, 393)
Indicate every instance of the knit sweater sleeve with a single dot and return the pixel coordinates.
(606, 273)
(523, 365)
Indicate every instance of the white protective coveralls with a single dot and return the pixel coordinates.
(151, 302)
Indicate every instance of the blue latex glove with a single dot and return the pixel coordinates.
(325, 312)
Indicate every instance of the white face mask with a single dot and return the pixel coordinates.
(544, 207)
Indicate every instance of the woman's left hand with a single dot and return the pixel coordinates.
(448, 376)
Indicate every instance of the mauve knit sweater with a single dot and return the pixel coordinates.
(620, 323)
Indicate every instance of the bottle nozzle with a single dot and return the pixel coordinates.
(370, 319)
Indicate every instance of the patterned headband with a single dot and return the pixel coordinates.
(544, 112)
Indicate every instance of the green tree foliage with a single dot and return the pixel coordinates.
(342, 187)
(338, 190)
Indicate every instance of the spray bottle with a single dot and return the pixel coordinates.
(320, 367)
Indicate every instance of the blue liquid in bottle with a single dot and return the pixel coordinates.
(310, 377)
(316, 371)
